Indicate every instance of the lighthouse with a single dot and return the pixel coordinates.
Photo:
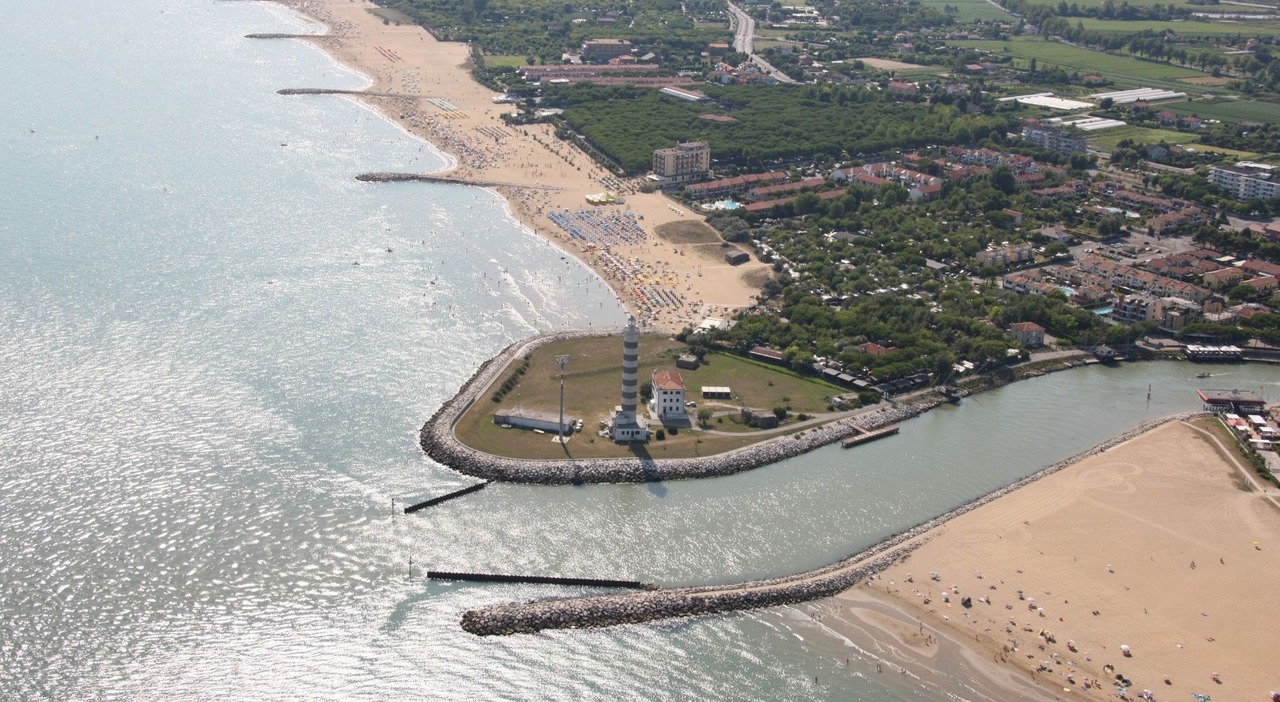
(626, 426)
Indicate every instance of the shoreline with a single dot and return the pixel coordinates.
(611, 610)
(425, 87)
(1090, 576)
(438, 440)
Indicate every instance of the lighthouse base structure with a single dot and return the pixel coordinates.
(625, 427)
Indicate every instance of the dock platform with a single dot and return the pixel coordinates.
(864, 436)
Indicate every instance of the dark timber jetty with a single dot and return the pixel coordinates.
(539, 579)
(866, 436)
(444, 498)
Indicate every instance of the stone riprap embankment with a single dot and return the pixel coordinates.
(632, 608)
(440, 443)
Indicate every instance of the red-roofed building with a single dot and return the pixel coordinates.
(1029, 334)
(875, 349)
(668, 395)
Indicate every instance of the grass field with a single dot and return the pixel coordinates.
(970, 10)
(1248, 29)
(1228, 110)
(1055, 53)
(499, 60)
(592, 386)
(1107, 139)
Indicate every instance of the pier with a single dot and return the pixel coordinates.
(539, 579)
(338, 91)
(444, 498)
(864, 436)
(638, 607)
(428, 178)
(271, 35)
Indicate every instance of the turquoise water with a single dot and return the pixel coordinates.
(217, 347)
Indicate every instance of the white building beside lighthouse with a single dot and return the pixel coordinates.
(668, 397)
(624, 423)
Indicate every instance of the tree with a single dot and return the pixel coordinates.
(1002, 179)
(704, 417)
(1241, 292)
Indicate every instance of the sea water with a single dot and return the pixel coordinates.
(217, 347)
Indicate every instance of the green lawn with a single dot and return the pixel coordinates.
(1107, 139)
(592, 387)
(499, 60)
(1056, 53)
(1189, 28)
(1228, 110)
(970, 10)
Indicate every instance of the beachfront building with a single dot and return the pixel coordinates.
(1242, 401)
(624, 424)
(668, 396)
(682, 163)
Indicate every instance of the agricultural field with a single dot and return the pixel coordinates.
(970, 10)
(1111, 66)
(1228, 110)
(1193, 28)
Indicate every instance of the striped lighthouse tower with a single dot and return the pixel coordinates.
(627, 426)
(630, 368)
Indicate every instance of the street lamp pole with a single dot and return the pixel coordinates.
(561, 361)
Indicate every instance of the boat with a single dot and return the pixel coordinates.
(1203, 374)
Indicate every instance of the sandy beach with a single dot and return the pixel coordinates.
(425, 86)
(1160, 545)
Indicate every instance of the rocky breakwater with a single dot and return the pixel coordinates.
(440, 443)
(634, 608)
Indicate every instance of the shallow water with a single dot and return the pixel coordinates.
(217, 347)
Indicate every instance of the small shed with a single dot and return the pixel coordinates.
(716, 392)
(736, 257)
(759, 418)
(687, 362)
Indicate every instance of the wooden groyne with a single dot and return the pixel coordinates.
(429, 178)
(866, 436)
(539, 579)
(445, 498)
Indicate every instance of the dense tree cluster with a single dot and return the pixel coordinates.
(546, 29)
(769, 124)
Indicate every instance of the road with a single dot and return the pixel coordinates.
(744, 37)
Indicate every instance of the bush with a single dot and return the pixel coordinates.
(661, 435)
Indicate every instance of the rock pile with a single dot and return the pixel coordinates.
(438, 440)
(631, 608)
